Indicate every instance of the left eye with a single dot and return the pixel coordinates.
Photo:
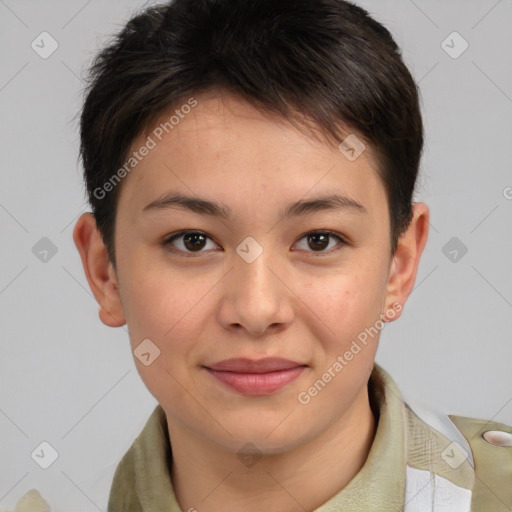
(319, 240)
(195, 241)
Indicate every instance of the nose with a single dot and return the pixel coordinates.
(256, 296)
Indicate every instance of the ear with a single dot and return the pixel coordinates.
(99, 270)
(406, 259)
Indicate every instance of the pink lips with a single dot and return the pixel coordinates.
(256, 377)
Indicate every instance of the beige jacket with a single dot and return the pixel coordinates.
(461, 465)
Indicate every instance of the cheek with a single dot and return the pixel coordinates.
(157, 302)
(168, 313)
(346, 298)
(173, 327)
(343, 307)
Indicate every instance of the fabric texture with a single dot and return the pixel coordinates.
(32, 501)
(411, 466)
(405, 453)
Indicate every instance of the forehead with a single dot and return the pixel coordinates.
(219, 116)
(223, 143)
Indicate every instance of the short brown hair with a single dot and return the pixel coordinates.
(327, 59)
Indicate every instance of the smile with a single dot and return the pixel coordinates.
(256, 377)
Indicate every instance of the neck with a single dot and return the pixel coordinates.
(209, 478)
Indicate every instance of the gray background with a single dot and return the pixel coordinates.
(70, 381)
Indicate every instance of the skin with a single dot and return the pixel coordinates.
(289, 302)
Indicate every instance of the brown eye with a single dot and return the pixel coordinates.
(318, 241)
(187, 242)
(194, 241)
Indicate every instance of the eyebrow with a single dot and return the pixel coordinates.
(204, 206)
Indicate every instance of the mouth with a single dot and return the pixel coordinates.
(255, 377)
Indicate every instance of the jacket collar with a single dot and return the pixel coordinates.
(397, 456)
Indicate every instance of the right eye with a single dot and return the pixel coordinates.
(187, 241)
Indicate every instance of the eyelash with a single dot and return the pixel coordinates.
(168, 241)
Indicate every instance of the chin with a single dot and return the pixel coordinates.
(265, 436)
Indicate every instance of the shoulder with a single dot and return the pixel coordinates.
(470, 457)
(32, 501)
(123, 494)
(491, 447)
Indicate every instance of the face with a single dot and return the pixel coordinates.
(253, 277)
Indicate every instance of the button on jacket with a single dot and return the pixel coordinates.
(411, 466)
(443, 464)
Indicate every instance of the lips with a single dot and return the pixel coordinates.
(255, 377)
(244, 365)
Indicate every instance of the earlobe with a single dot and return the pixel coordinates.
(99, 270)
(404, 266)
